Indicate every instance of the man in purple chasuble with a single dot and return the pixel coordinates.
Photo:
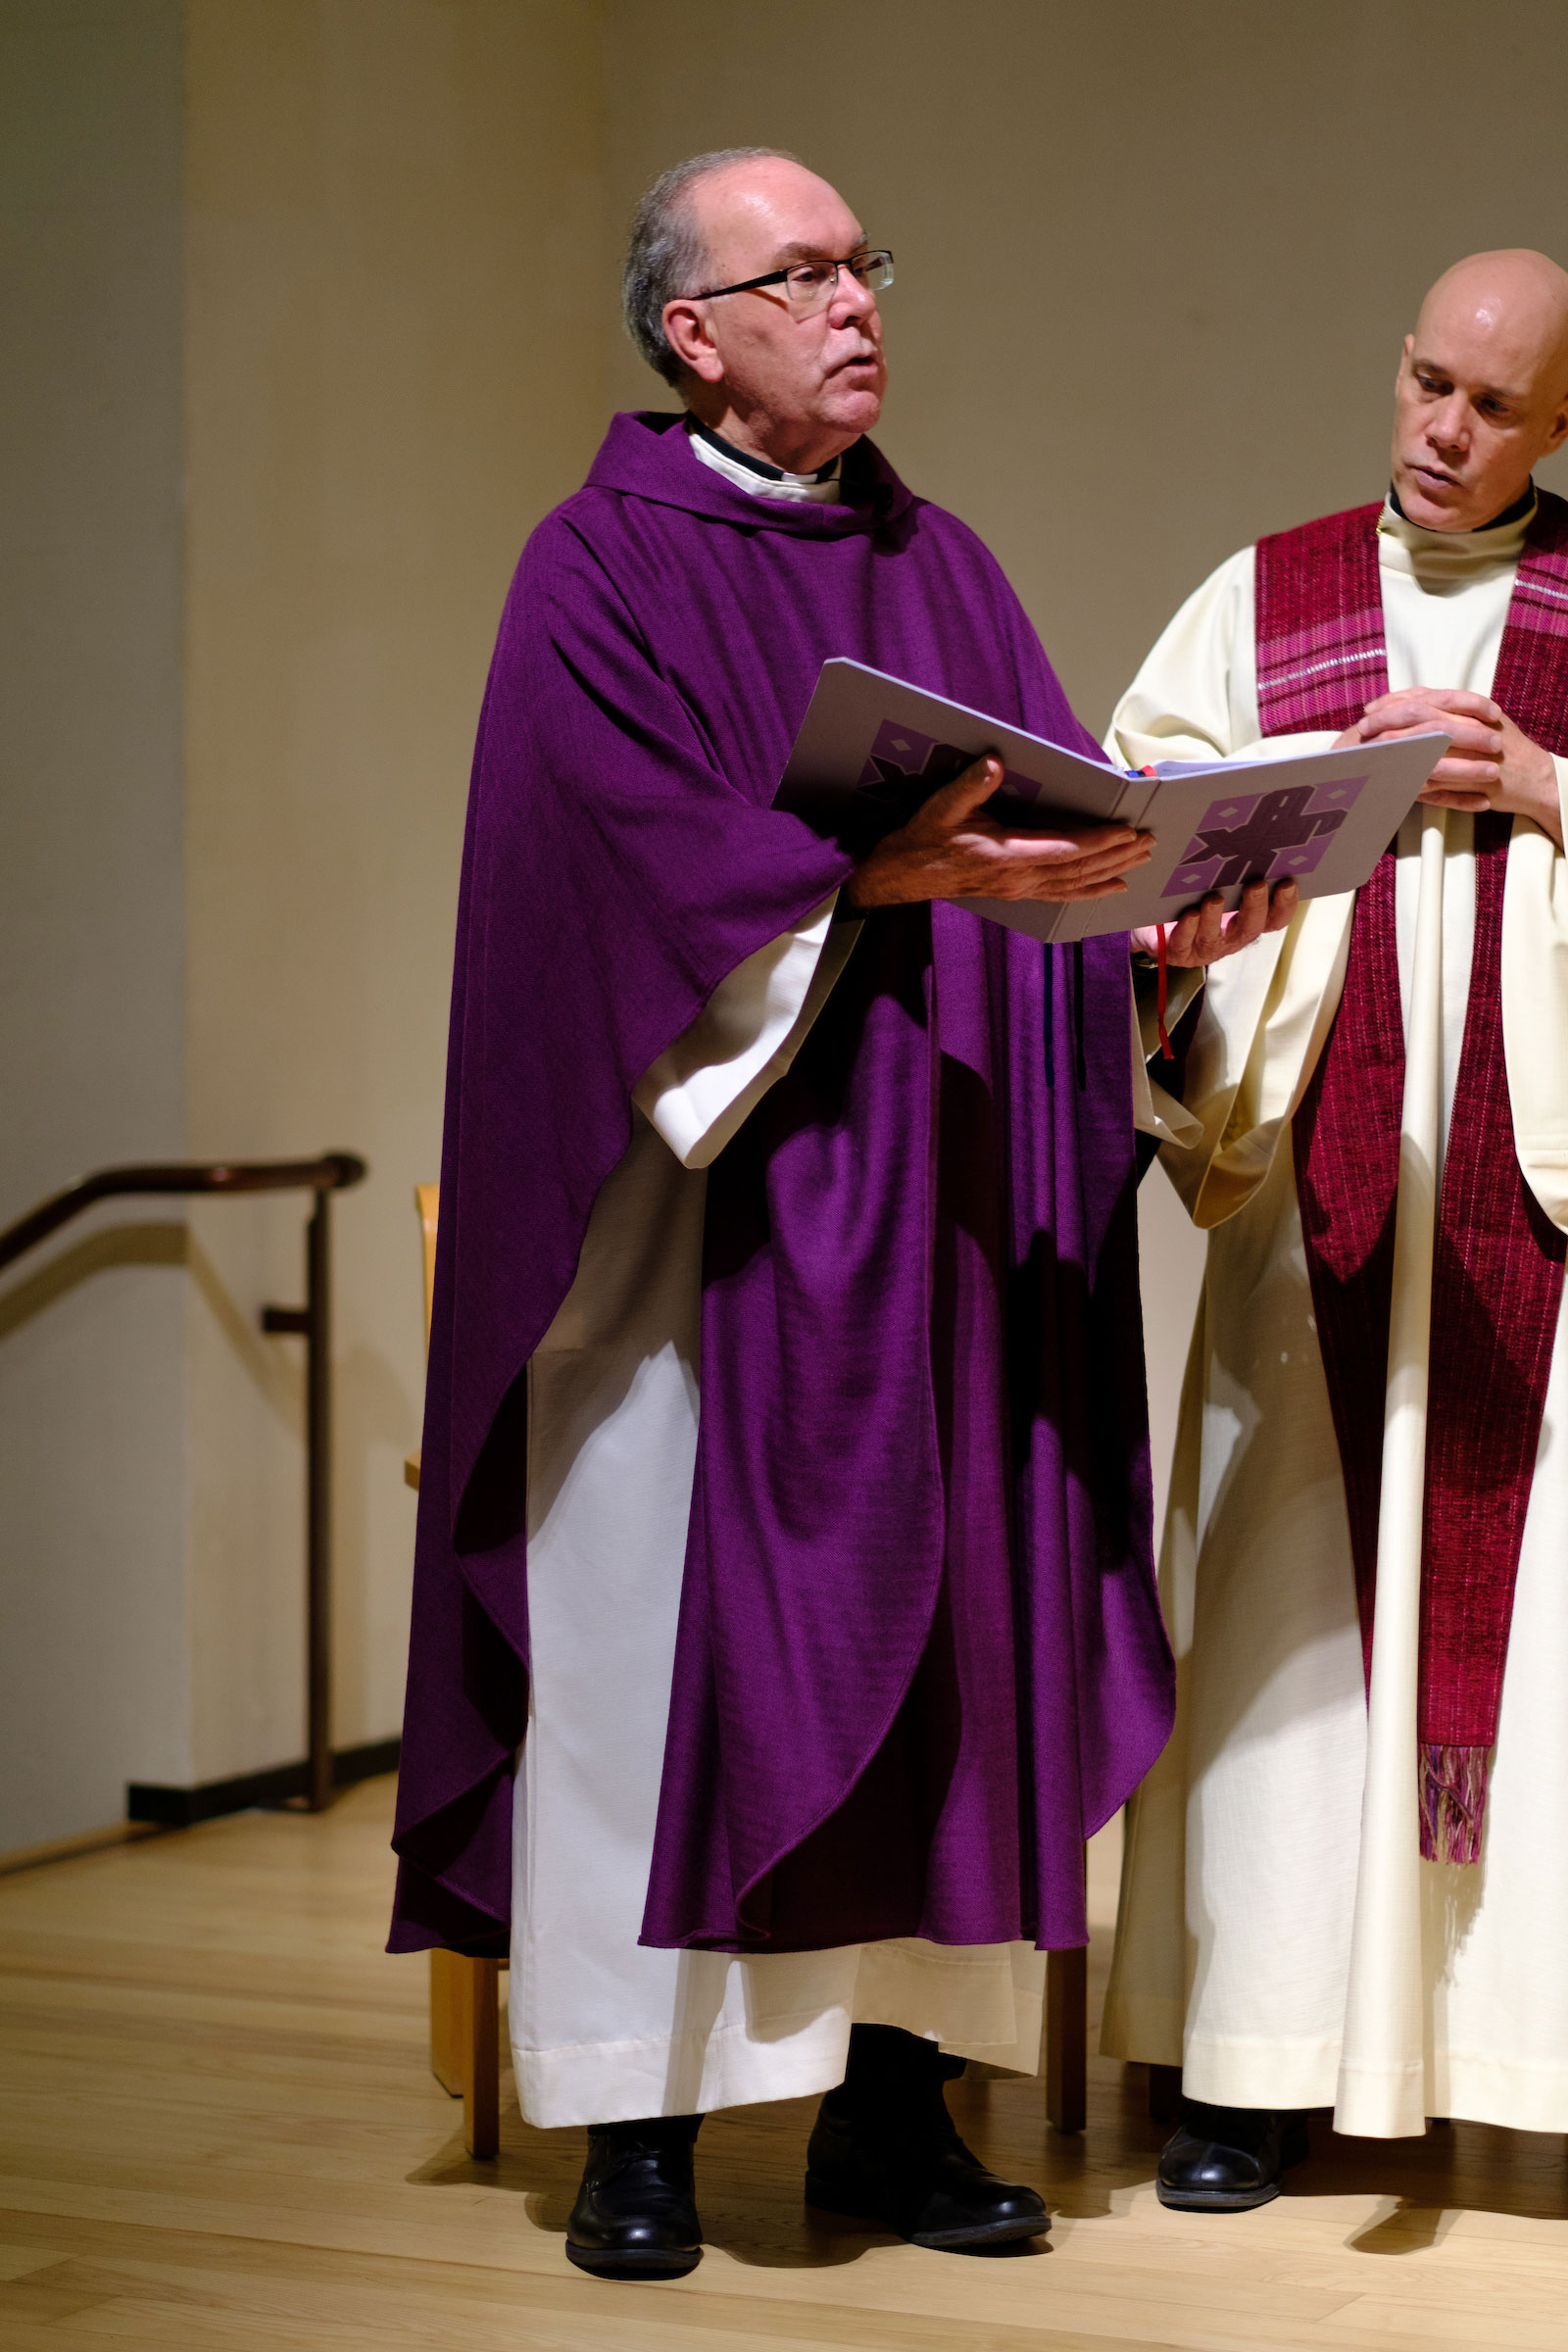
(828, 1680)
(1344, 1884)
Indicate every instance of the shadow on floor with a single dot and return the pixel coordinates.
(749, 2163)
(1456, 2168)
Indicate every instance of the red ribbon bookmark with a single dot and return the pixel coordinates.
(1167, 1051)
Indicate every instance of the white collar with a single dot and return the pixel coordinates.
(1440, 560)
(823, 489)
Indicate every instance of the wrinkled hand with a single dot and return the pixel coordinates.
(1489, 764)
(1205, 932)
(947, 850)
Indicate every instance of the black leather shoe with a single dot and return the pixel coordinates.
(914, 2178)
(636, 2211)
(1228, 2159)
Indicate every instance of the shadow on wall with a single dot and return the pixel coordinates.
(166, 1243)
(162, 1243)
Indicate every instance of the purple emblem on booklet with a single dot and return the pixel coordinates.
(898, 753)
(896, 750)
(1262, 836)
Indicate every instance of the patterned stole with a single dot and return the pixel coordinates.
(1498, 1260)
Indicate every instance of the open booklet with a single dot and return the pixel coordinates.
(871, 749)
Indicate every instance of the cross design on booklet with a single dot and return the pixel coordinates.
(1263, 836)
(904, 767)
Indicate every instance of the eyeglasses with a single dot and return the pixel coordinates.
(809, 287)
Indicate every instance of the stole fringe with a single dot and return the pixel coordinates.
(1454, 1799)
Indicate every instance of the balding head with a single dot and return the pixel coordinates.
(667, 253)
(1482, 394)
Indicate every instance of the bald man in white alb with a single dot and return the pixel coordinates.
(1347, 1881)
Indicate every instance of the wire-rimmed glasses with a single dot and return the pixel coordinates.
(809, 287)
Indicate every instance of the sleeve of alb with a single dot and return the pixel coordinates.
(698, 1093)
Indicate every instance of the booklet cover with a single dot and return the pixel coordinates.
(871, 749)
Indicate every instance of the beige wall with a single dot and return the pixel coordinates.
(393, 369)
(308, 275)
(94, 1669)
(1153, 265)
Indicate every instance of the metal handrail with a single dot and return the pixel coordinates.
(333, 1171)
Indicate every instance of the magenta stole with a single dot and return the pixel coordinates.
(1498, 1261)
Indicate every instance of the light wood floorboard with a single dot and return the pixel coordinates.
(220, 2133)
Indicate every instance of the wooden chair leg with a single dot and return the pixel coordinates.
(482, 2094)
(449, 2034)
(465, 2043)
(1067, 2039)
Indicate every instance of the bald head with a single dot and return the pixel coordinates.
(746, 210)
(1511, 306)
(1482, 394)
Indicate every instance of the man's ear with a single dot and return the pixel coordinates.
(687, 333)
(1405, 349)
(1559, 429)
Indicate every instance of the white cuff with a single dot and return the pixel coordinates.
(1154, 1113)
(1182, 986)
(703, 1087)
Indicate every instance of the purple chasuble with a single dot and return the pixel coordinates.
(920, 1654)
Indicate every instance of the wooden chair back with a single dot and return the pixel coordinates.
(427, 1200)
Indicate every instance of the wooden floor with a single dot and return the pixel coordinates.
(220, 2133)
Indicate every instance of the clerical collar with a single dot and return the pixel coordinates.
(1448, 562)
(1522, 510)
(757, 476)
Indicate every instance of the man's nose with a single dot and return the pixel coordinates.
(850, 299)
(1449, 426)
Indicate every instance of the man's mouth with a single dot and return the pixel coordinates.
(1435, 475)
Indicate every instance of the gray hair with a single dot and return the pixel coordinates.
(667, 256)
